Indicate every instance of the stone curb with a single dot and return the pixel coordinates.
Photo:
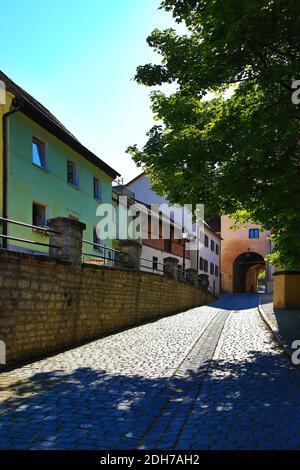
(278, 338)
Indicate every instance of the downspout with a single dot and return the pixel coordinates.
(5, 172)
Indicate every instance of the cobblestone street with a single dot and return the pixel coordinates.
(208, 378)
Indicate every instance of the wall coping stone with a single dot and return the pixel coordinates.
(65, 221)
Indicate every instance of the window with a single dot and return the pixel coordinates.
(217, 271)
(97, 241)
(168, 241)
(72, 173)
(167, 245)
(38, 214)
(155, 263)
(38, 153)
(205, 266)
(97, 189)
(212, 245)
(212, 268)
(206, 240)
(217, 249)
(114, 214)
(201, 263)
(254, 233)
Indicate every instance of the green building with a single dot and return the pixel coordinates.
(46, 172)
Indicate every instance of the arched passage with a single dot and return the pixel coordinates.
(245, 271)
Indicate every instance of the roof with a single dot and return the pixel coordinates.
(135, 178)
(41, 115)
(207, 224)
(212, 230)
(215, 223)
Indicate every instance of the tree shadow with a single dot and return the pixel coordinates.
(253, 404)
(236, 302)
(286, 322)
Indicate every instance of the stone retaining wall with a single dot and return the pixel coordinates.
(48, 304)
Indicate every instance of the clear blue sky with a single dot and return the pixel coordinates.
(78, 58)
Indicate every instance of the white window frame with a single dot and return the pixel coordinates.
(76, 175)
(97, 196)
(37, 140)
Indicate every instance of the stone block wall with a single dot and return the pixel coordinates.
(47, 304)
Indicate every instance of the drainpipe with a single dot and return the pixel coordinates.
(5, 171)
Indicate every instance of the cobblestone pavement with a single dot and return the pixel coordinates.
(284, 323)
(208, 378)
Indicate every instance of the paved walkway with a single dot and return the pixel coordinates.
(285, 324)
(208, 378)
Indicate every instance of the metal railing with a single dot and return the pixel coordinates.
(45, 230)
(151, 267)
(102, 255)
(181, 274)
(113, 259)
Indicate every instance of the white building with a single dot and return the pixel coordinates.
(205, 259)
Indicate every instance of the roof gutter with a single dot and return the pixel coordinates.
(5, 171)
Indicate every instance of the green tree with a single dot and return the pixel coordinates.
(238, 154)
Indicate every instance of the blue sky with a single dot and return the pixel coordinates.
(78, 58)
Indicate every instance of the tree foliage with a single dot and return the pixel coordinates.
(238, 154)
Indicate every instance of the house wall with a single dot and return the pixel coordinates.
(236, 242)
(28, 182)
(47, 304)
(286, 290)
(141, 186)
(211, 257)
(4, 108)
(143, 192)
(148, 252)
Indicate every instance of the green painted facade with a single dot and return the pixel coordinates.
(28, 183)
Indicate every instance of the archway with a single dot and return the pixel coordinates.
(246, 268)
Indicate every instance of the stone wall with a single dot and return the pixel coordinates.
(48, 304)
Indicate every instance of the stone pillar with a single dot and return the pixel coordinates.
(192, 276)
(170, 267)
(67, 237)
(180, 275)
(131, 251)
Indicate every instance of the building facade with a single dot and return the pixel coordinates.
(46, 172)
(154, 249)
(243, 255)
(204, 259)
